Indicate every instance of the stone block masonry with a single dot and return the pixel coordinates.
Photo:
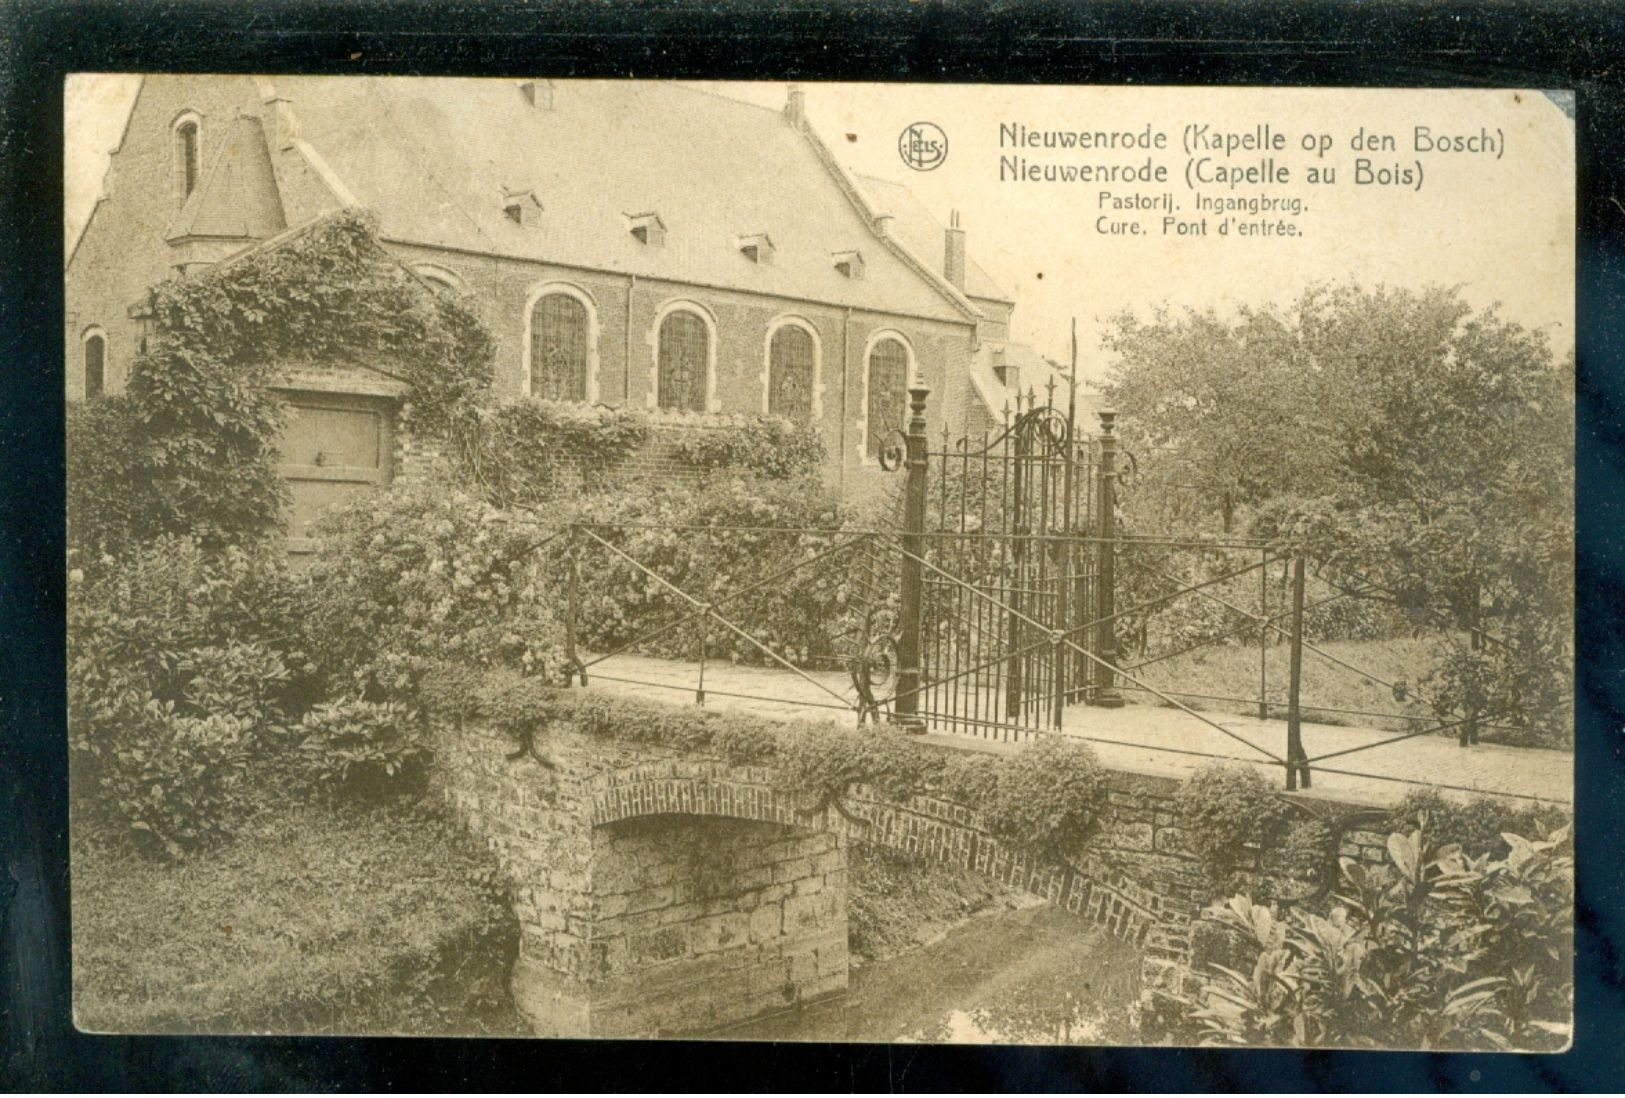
(702, 921)
(641, 913)
(668, 893)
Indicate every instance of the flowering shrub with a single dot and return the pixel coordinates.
(729, 542)
(1227, 813)
(1434, 950)
(1049, 796)
(770, 446)
(513, 452)
(411, 576)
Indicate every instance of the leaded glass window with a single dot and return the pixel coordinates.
(558, 348)
(186, 134)
(790, 374)
(888, 380)
(95, 366)
(685, 348)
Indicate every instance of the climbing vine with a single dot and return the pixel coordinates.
(771, 446)
(206, 418)
(513, 453)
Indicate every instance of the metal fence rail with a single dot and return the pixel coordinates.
(990, 608)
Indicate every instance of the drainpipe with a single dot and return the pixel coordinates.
(846, 353)
(626, 374)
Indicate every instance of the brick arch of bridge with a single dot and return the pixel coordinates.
(664, 892)
(927, 828)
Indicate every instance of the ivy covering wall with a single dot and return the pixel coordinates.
(201, 420)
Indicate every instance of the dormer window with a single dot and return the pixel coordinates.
(757, 248)
(520, 206)
(188, 138)
(647, 228)
(538, 93)
(849, 264)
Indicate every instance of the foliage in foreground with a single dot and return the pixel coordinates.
(762, 445)
(693, 536)
(1436, 949)
(316, 920)
(182, 666)
(415, 575)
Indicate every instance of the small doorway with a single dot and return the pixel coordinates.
(334, 448)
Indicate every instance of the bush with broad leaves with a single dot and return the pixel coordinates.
(364, 749)
(1435, 949)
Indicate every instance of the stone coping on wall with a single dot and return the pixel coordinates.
(1169, 776)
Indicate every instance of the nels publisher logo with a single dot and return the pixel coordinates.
(923, 146)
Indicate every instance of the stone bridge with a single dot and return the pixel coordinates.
(661, 893)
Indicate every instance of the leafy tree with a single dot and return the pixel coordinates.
(1216, 412)
(1418, 449)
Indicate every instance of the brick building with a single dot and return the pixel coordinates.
(630, 243)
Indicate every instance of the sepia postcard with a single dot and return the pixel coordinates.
(936, 563)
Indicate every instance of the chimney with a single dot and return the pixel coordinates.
(795, 107)
(953, 253)
(538, 93)
(284, 123)
(883, 224)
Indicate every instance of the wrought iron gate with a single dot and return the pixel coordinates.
(1010, 560)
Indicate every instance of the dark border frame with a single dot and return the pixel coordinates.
(1573, 45)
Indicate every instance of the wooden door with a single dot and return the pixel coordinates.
(333, 449)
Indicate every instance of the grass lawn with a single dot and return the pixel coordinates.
(313, 920)
(1232, 671)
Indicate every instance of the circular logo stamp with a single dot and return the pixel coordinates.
(923, 146)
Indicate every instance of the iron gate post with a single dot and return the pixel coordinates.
(1106, 695)
(573, 666)
(906, 706)
(1297, 760)
(1263, 634)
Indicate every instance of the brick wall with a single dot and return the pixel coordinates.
(627, 311)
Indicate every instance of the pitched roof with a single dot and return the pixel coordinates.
(1027, 374)
(432, 157)
(921, 233)
(237, 196)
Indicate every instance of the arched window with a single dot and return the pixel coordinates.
(188, 153)
(439, 277)
(791, 373)
(559, 342)
(888, 393)
(684, 361)
(95, 365)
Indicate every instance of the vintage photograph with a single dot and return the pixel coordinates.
(922, 563)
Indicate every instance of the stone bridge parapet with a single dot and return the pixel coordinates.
(659, 892)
